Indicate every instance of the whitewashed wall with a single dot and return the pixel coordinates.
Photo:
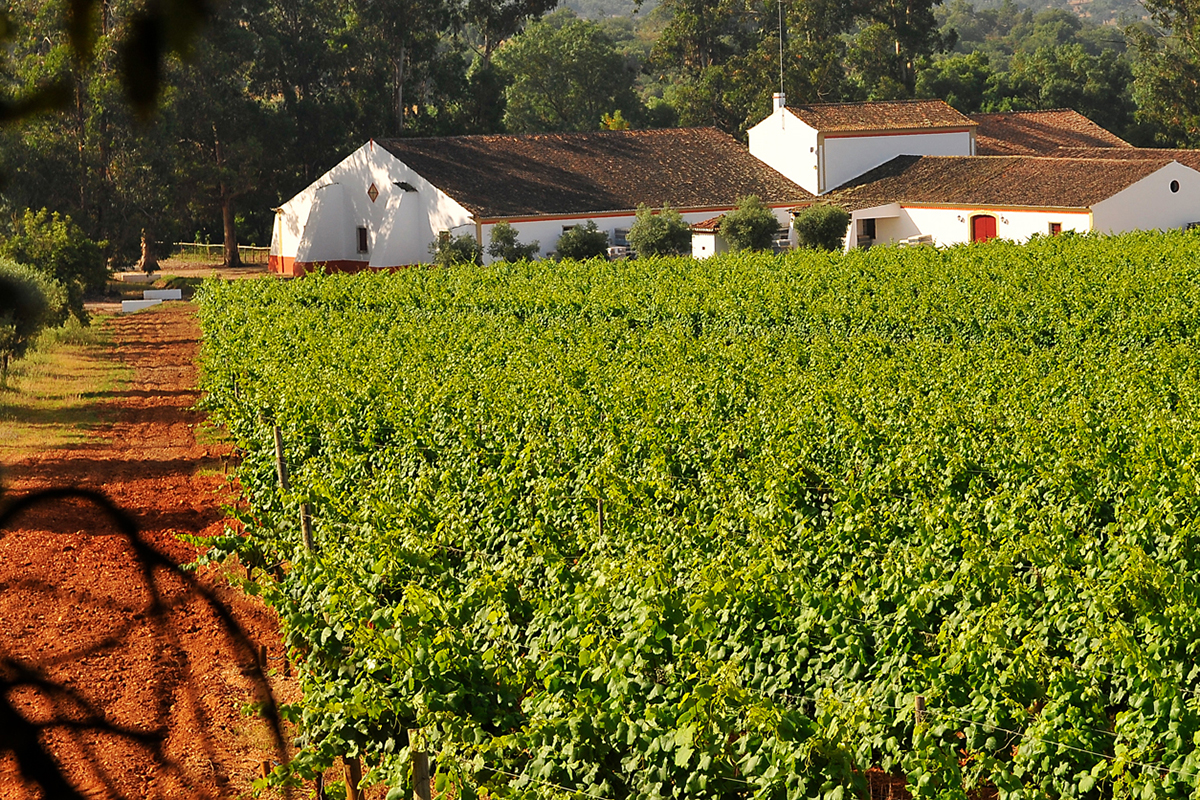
(289, 223)
(325, 236)
(950, 226)
(788, 145)
(706, 244)
(881, 214)
(320, 224)
(1150, 203)
(846, 157)
(547, 231)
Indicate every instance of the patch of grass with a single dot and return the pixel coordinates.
(73, 333)
(55, 394)
(179, 282)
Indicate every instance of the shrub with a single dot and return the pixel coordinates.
(503, 244)
(583, 242)
(822, 227)
(29, 302)
(448, 249)
(751, 226)
(58, 248)
(661, 234)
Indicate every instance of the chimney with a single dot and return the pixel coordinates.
(780, 101)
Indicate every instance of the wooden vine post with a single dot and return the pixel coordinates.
(420, 766)
(353, 777)
(282, 470)
(919, 710)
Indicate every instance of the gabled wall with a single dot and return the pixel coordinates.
(319, 225)
(788, 145)
(1150, 204)
(821, 162)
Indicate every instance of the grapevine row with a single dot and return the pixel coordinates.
(677, 528)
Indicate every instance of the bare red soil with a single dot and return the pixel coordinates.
(130, 702)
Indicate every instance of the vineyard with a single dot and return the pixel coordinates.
(669, 528)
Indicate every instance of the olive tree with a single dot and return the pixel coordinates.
(750, 226)
(503, 244)
(582, 242)
(822, 227)
(661, 234)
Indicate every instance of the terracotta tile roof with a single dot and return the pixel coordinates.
(709, 225)
(1189, 158)
(889, 115)
(995, 181)
(1015, 133)
(579, 173)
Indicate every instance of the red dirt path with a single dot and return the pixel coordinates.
(76, 607)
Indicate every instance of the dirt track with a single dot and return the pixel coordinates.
(77, 613)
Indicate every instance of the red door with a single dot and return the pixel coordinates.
(983, 228)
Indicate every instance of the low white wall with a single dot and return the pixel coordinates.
(162, 294)
(129, 306)
(547, 231)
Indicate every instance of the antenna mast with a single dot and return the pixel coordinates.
(781, 46)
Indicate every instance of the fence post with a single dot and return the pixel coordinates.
(919, 710)
(420, 766)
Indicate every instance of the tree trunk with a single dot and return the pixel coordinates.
(400, 92)
(232, 259)
(148, 262)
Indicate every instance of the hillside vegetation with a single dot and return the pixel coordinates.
(670, 528)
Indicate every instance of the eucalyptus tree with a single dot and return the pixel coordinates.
(564, 74)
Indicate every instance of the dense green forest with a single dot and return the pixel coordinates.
(270, 94)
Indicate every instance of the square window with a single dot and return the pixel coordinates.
(1055, 228)
(362, 240)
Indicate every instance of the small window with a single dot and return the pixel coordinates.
(362, 240)
(1174, 186)
(1055, 228)
(866, 228)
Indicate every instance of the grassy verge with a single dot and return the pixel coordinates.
(54, 394)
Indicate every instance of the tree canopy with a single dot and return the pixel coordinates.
(182, 117)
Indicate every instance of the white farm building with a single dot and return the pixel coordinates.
(908, 171)
(386, 202)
